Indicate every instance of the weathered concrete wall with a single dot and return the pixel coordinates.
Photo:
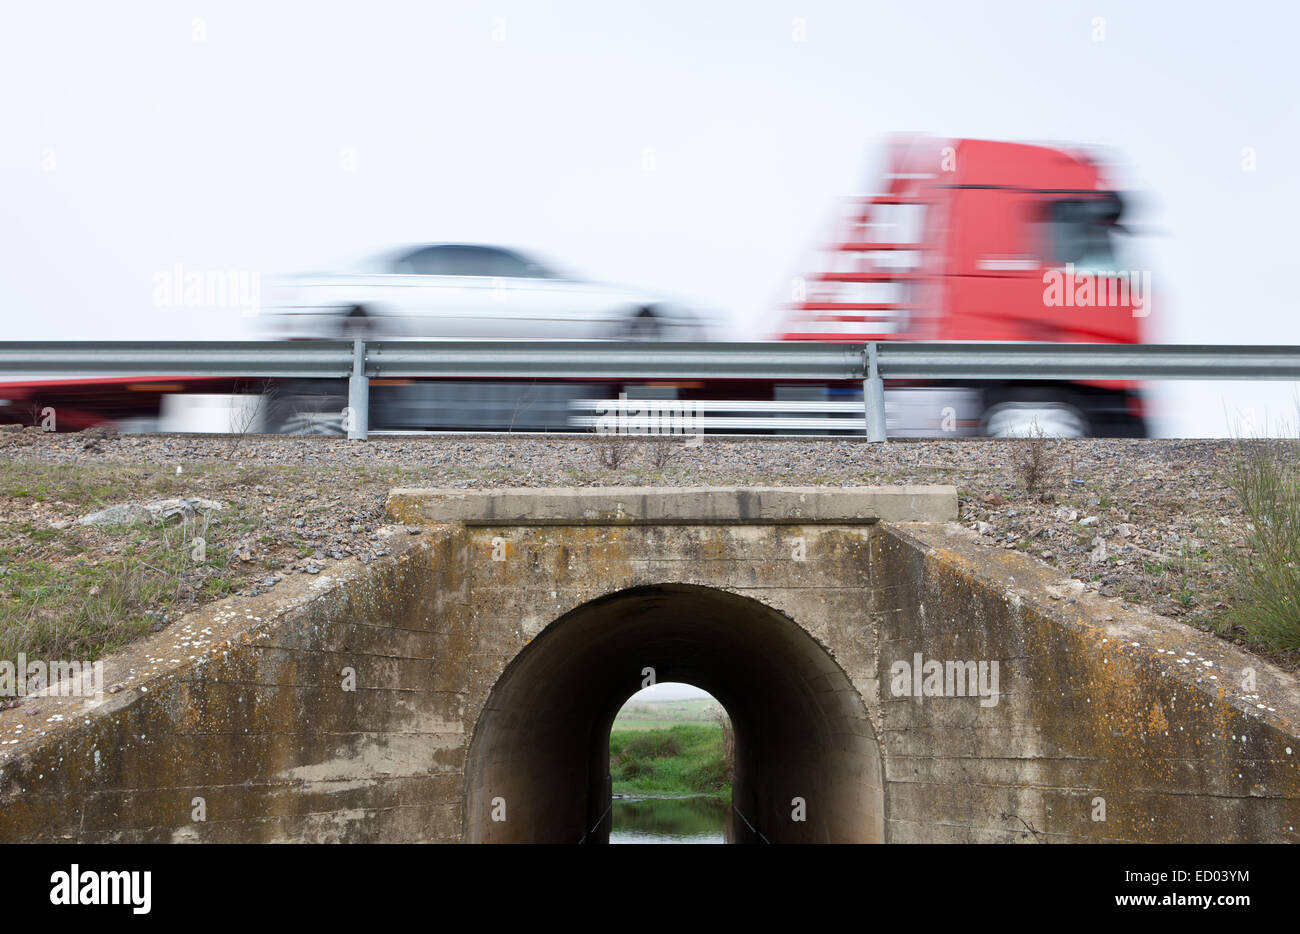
(243, 705)
(490, 656)
(1099, 704)
(790, 505)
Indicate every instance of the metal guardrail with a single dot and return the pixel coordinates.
(360, 361)
(254, 359)
(616, 359)
(1013, 360)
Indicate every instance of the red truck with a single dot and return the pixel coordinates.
(974, 240)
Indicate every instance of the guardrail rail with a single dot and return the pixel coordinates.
(872, 363)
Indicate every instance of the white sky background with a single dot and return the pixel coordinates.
(128, 146)
(668, 691)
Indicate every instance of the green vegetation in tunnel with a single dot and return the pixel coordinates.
(671, 758)
(686, 759)
(807, 762)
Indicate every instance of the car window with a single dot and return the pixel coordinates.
(1082, 232)
(454, 260)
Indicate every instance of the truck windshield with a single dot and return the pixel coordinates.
(1082, 231)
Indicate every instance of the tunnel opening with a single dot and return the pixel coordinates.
(671, 763)
(807, 762)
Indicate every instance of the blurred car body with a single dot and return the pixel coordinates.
(465, 291)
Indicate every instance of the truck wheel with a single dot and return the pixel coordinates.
(1015, 419)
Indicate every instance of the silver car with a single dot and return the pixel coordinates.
(464, 291)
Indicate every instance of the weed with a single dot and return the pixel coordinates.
(1266, 481)
(1033, 464)
(612, 451)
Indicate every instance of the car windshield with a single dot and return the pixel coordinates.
(1082, 231)
(456, 260)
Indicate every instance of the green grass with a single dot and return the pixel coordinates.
(1266, 480)
(638, 726)
(81, 592)
(78, 592)
(94, 485)
(682, 760)
(54, 604)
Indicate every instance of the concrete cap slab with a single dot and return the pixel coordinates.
(793, 505)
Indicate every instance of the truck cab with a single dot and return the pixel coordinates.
(973, 240)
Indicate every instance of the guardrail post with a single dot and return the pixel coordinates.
(358, 395)
(873, 397)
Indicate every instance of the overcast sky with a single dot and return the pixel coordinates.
(692, 147)
(668, 691)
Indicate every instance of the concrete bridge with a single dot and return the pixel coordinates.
(889, 681)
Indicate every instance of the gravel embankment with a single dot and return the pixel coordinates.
(1151, 521)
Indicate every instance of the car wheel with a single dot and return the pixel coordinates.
(325, 424)
(645, 325)
(307, 407)
(356, 324)
(1049, 419)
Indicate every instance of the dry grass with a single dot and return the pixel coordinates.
(613, 451)
(1266, 481)
(64, 595)
(1034, 464)
(662, 452)
(728, 739)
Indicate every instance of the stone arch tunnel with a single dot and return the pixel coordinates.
(486, 656)
(541, 744)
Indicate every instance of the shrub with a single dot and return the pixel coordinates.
(1266, 481)
(712, 775)
(1033, 463)
(653, 744)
